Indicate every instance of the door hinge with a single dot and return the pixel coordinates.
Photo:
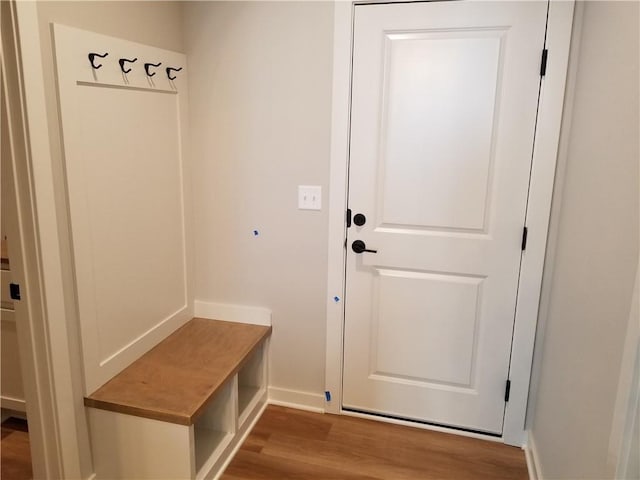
(348, 217)
(543, 62)
(525, 231)
(14, 291)
(507, 391)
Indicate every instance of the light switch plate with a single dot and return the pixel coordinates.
(309, 197)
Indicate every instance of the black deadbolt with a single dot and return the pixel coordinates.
(359, 219)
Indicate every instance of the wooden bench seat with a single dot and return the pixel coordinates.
(174, 381)
(181, 409)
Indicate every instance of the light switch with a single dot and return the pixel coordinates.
(309, 197)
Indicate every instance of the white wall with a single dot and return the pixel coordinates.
(154, 23)
(260, 90)
(590, 272)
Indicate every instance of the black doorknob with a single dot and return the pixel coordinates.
(359, 219)
(359, 246)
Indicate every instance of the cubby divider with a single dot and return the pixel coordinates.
(215, 427)
(251, 385)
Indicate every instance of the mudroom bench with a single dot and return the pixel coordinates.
(180, 410)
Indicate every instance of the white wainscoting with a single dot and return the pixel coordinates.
(128, 183)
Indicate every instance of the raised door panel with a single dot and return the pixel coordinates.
(440, 311)
(439, 97)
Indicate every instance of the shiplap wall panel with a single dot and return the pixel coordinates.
(128, 193)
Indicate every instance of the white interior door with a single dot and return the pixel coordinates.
(444, 100)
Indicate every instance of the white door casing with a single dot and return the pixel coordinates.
(128, 190)
(559, 28)
(52, 449)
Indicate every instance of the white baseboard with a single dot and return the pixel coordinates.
(311, 402)
(233, 313)
(8, 413)
(11, 403)
(531, 455)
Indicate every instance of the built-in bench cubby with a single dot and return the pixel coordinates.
(167, 395)
(180, 410)
(251, 384)
(215, 428)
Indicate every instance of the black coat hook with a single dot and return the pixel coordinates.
(121, 62)
(92, 56)
(147, 65)
(169, 69)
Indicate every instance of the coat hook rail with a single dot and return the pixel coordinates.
(121, 62)
(170, 69)
(148, 65)
(92, 57)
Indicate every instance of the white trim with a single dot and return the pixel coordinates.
(560, 21)
(628, 393)
(11, 403)
(556, 208)
(283, 397)
(8, 413)
(24, 88)
(341, 100)
(544, 161)
(233, 313)
(57, 372)
(531, 456)
(239, 441)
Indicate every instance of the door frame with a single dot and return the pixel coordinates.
(545, 151)
(60, 441)
(32, 334)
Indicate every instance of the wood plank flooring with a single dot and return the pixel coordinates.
(293, 444)
(15, 454)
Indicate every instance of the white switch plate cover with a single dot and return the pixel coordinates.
(309, 197)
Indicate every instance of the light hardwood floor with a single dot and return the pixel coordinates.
(15, 455)
(293, 444)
